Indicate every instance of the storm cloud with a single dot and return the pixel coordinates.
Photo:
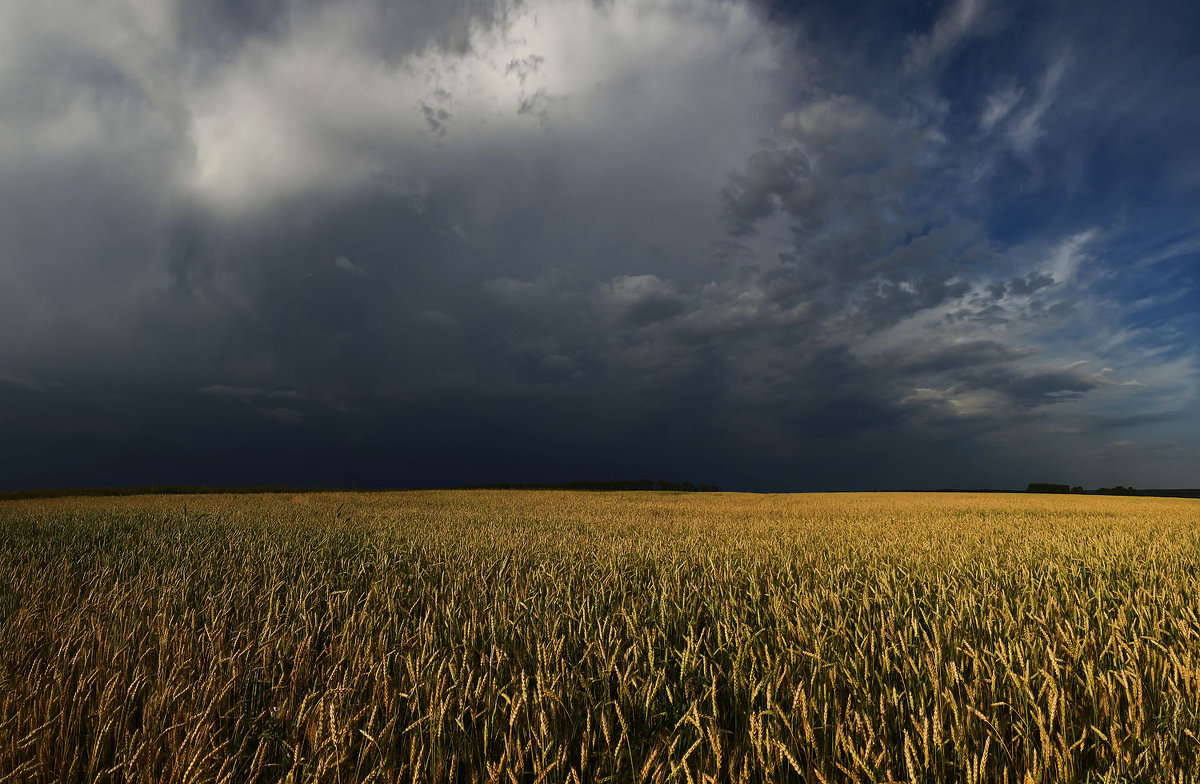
(767, 246)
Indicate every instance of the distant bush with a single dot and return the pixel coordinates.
(1118, 490)
(1043, 487)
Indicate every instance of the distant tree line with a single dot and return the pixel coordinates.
(64, 492)
(589, 484)
(661, 485)
(582, 484)
(1118, 490)
(1044, 487)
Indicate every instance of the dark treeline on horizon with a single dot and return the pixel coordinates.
(1055, 489)
(64, 492)
(644, 485)
(660, 485)
(583, 484)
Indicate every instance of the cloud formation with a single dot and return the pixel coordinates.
(431, 243)
(955, 23)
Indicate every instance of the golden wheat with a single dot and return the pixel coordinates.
(572, 637)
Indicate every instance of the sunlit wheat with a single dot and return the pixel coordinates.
(576, 637)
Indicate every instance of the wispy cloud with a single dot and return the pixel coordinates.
(999, 105)
(21, 382)
(958, 20)
(249, 393)
(1025, 128)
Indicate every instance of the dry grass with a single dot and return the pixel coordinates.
(555, 636)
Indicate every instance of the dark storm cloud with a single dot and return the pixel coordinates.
(760, 188)
(428, 243)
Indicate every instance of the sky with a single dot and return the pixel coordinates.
(767, 245)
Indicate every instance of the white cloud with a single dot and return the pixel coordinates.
(317, 111)
(48, 52)
(346, 265)
(957, 21)
(628, 290)
(1188, 245)
(978, 403)
(1068, 255)
(642, 298)
(999, 105)
(828, 119)
(1026, 127)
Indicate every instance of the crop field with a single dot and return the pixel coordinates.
(542, 636)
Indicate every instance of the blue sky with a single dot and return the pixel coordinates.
(773, 246)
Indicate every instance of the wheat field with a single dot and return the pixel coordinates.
(545, 636)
